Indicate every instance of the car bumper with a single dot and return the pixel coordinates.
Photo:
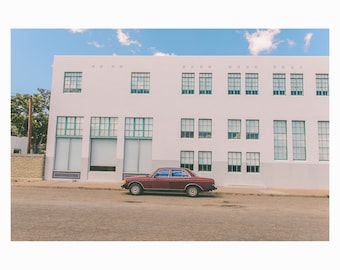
(211, 188)
(124, 186)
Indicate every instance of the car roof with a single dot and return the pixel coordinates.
(172, 168)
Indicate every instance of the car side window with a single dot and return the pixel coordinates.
(179, 173)
(162, 173)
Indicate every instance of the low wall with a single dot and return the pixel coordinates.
(27, 167)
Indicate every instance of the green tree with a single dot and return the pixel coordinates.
(40, 112)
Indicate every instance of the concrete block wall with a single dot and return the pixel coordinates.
(28, 167)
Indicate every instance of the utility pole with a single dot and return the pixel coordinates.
(29, 135)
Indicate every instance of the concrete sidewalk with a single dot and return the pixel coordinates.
(220, 189)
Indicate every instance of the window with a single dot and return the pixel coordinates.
(104, 127)
(323, 134)
(69, 126)
(234, 161)
(187, 159)
(188, 83)
(179, 173)
(280, 140)
(205, 83)
(234, 129)
(140, 83)
(187, 128)
(322, 87)
(72, 82)
(234, 83)
(204, 128)
(162, 173)
(138, 127)
(68, 143)
(252, 129)
(279, 84)
(299, 141)
(138, 145)
(253, 162)
(204, 161)
(252, 83)
(103, 143)
(296, 84)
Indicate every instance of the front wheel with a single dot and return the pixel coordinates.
(136, 189)
(192, 191)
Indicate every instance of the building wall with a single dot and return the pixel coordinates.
(106, 92)
(19, 145)
(27, 167)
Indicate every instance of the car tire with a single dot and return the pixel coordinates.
(136, 189)
(192, 191)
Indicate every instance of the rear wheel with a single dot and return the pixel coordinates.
(136, 189)
(192, 191)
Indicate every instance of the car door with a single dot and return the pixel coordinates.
(179, 179)
(161, 179)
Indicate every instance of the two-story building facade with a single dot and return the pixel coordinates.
(260, 121)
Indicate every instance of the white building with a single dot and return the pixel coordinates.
(243, 120)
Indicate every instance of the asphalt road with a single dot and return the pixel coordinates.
(67, 214)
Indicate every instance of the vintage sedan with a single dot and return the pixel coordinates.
(169, 179)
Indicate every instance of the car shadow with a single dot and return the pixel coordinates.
(176, 194)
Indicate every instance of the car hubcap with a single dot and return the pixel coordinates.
(192, 191)
(135, 190)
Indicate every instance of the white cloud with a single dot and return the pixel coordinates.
(95, 44)
(77, 30)
(308, 38)
(124, 39)
(163, 54)
(262, 40)
(291, 43)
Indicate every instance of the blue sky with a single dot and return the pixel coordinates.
(32, 50)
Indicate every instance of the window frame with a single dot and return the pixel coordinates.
(138, 127)
(188, 83)
(204, 128)
(104, 127)
(252, 84)
(205, 83)
(140, 83)
(252, 129)
(323, 140)
(279, 84)
(72, 82)
(234, 130)
(296, 84)
(234, 83)
(234, 162)
(280, 140)
(187, 128)
(204, 161)
(69, 126)
(299, 140)
(322, 84)
(253, 162)
(187, 159)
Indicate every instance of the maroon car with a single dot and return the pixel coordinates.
(169, 179)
